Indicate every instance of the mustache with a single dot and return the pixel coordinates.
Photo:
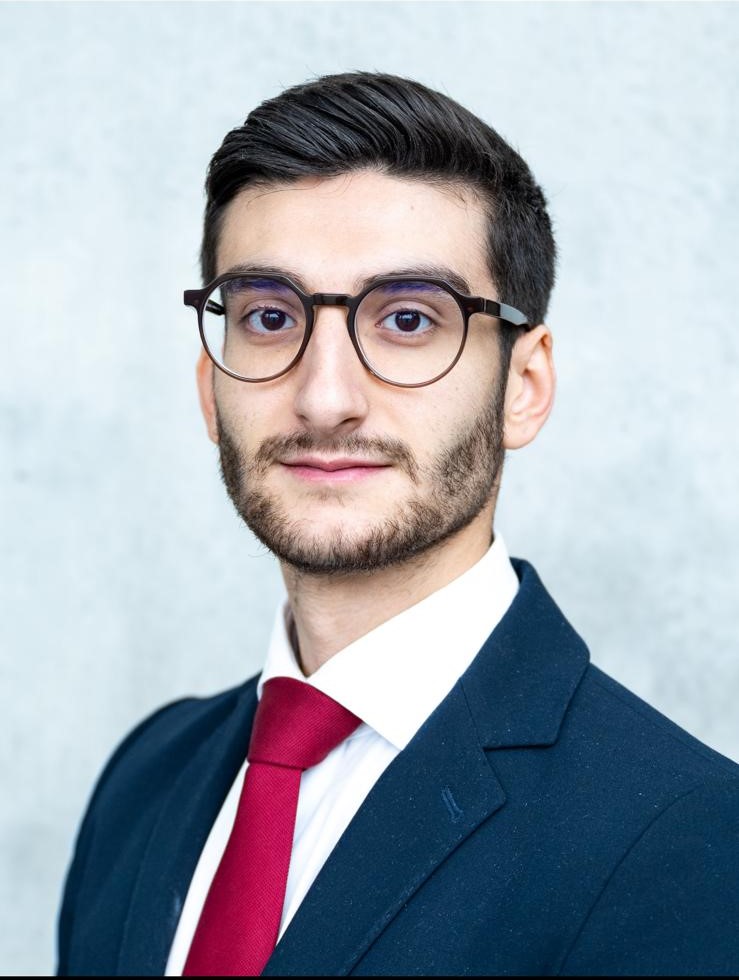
(390, 450)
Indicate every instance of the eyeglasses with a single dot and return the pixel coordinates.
(407, 331)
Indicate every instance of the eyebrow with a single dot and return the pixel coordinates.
(421, 271)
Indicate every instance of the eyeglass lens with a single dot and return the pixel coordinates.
(409, 332)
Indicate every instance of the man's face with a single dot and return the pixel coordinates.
(333, 469)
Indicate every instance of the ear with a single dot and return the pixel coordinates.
(205, 376)
(530, 389)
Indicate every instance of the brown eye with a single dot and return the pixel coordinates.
(269, 321)
(407, 321)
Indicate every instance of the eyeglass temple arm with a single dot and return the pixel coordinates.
(193, 297)
(509, 314)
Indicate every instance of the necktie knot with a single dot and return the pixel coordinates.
(297, 725)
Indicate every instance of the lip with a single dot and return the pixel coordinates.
(341, 468)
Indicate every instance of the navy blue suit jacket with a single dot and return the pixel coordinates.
(543, 821)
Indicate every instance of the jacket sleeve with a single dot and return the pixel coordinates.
(671, 906)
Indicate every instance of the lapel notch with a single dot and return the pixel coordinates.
(520, 685)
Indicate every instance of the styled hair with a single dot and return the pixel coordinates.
(364, 120)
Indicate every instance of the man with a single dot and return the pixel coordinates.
(428, 777)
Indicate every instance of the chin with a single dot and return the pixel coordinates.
(329, 512)
(331, 533)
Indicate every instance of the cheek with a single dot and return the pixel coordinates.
(428, 419)
(482, 350)
(464, 393)
(249, 414)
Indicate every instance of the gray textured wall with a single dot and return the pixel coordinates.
(126, 580)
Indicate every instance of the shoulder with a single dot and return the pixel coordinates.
(152, 755)
(610, 725)
(133, 789)
(669, 901)
(168, 737)
(613, 718)
(649, 772)
(636, 820)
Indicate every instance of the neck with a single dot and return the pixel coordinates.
(332, 611)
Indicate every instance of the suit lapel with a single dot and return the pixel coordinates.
(441, 787)
(521, 683)
(177, 839)
(431, 797)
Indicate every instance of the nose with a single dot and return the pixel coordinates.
(331, 396)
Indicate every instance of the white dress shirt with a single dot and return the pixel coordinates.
(392, 678)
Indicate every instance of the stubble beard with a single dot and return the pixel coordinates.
(459, 482)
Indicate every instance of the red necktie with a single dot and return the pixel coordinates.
(295, 727)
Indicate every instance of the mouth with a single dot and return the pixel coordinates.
(340, 469)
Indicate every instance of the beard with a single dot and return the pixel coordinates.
(451, 492)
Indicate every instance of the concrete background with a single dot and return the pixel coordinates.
(126, 579)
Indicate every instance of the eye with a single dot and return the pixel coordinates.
(269, 320)
(407, 322)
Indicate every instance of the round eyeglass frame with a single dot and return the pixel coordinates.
(200, 300)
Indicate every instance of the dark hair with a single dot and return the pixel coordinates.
(362, 120)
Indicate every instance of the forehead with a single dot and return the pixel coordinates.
(337, 231)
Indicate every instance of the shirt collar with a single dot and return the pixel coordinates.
(397, 674)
